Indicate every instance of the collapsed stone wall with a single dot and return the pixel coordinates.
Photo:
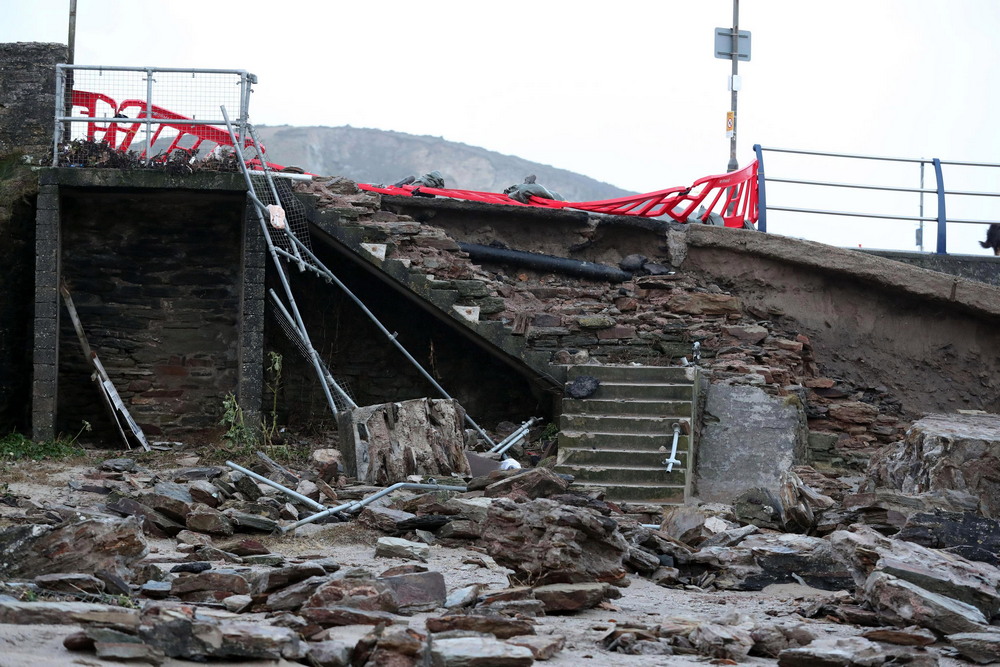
(649, 319)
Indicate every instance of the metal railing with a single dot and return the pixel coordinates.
(940, 193)
(166, 107)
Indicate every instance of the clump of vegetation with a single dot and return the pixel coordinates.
(239, 435)
(17, 447)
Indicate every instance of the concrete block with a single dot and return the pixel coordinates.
(748, 440)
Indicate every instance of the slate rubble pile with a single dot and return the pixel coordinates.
(654, 318)
(911, 577)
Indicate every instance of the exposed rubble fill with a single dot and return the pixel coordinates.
(653, 318)
(163, 560)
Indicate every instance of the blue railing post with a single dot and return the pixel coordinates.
(942, 218)
(761, 198)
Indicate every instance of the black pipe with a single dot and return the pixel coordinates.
(533, 260)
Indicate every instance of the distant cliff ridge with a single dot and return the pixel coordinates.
(379, 156)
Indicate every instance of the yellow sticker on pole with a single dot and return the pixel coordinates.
(730, 123)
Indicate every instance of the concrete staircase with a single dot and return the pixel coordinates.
(618, 438)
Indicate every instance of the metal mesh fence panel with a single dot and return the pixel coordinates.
(134, 116)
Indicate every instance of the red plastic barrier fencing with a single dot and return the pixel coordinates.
(733, 197)
(129, 119)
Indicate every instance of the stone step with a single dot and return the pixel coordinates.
(622, 424)
(634, 374)
(644, 390)
(625, 407)
(618, 457)
(652, 494)
(607, 475)
(620, 441)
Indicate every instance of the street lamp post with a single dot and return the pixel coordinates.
(734, 85)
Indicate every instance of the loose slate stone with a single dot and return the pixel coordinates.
(118, 465)
(418, 591)
(295, 595)
(204, 519)
(532, 483)
(845, 651)
(384, 519)
(567, 545)
(463, 597)
(394, 547)
(499, 626)
(70, 583)
(173, 500)
(901, 603)
(246, 547)
(271, 580)
(197, 474)
(981, 647)
(205, 492)
(246, 486)
(909, 636)
(336, 616)
(237, 603)
(244, 522)
(156, 590)
(193, 567)
(479, 652)
(210, 580)
(86, 547)
(633, 263)
(68, 613)
(542, 648)
(573, 597)
(330, 653)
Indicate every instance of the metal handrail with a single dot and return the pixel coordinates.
(940, 192)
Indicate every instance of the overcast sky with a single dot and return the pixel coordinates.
(629, 93)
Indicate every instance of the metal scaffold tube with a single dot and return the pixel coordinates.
(307, 259)
(300, 325)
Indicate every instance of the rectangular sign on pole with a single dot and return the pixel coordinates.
(724, 44)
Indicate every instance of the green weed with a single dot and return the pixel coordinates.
(18, 447)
